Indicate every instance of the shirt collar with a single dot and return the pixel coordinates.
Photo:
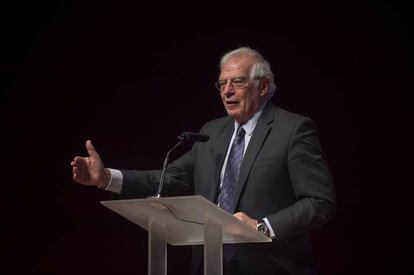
(251, 123)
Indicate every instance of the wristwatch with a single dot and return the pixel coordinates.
(262, 228)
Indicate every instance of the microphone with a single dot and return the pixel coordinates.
(184, 138)
(189, 136)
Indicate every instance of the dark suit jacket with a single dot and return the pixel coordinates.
(283, 177)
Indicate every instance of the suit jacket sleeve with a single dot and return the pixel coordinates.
(178, 179)
(311, 182)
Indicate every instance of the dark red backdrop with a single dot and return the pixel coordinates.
(132, 78)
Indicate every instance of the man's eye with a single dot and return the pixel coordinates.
(238, 82)
(222, 83)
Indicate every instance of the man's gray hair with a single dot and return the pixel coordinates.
(261, 68)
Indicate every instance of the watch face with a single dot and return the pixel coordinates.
(262, 228)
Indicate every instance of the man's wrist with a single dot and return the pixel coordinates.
(262, 228)
(106, 179)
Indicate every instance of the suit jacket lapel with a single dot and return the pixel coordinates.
(222, 145)
(259, 136)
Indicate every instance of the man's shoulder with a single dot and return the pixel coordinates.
(277, 114)
(218, 123)
(287, 121)
(284, 114)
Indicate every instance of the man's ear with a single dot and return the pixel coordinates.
(264, 87)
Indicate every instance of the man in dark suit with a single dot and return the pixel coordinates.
(262, 163)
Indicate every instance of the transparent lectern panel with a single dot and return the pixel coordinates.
(184, 219)
(157, 248)
(213, 248)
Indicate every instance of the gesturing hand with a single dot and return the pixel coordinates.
(90, 170)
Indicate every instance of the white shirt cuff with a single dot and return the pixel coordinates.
(272, 233)
(115, 184)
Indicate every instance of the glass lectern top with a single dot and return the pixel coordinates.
(184, 218)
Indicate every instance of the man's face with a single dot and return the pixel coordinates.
(241, 103)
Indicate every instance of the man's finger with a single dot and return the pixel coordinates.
(77, 170)
(91, 150)
(78, 162)
(76, 178)
(239, 215)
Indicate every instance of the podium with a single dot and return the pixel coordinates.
(185, 220)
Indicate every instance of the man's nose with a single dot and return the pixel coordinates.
(228, 89)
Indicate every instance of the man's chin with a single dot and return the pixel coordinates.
(232, 113)
(235, 116)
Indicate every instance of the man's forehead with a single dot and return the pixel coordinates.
(236, 66)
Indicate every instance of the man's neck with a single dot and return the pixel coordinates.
(258, 109)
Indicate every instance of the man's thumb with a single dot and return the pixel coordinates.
(91, 150)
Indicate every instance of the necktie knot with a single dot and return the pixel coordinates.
(240, 133)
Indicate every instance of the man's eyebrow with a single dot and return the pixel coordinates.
(238, 77)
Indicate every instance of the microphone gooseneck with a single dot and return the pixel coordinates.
(164, 168)
(184, 138)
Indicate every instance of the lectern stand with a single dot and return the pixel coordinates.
(188, 220)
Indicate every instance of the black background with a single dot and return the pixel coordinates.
(132, 76)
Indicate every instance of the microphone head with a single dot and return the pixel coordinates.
(193, 137)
